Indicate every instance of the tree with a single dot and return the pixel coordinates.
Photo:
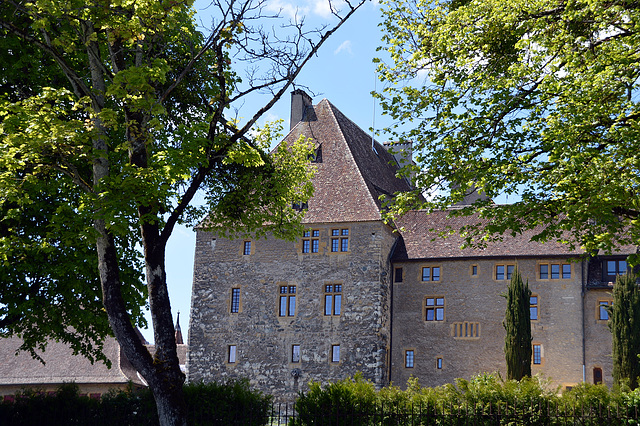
(535, 100)
(517, 323)
(113, 114)
(624, 324)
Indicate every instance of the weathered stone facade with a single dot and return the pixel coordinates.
(263, 337)
(474, 304)
(411, 302)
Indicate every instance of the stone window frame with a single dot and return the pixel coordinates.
(601, 301)
(435, 307)
(287, 295)
(508, 269)
(231, 357)
(549, 274)
(310, 242)
(247, 248)
(431, 268)
(535, 306)
(540, 346)
(465, 330)
(398, 274)
(235, 306)
(593, 374)
(333, 354)
(409, 359)
(339, 237)
(292, 359)
(332, 295)
(474, 268)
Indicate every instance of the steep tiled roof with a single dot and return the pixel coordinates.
(420, 240)
(352, 175)
(62, 366)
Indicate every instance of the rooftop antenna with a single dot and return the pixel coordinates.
(373, 120)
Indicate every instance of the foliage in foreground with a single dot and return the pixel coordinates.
(484, 400)
(529, 98)
(232, 403)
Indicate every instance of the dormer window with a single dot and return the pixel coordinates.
(316, 156)
(611, 268)
(300, 206)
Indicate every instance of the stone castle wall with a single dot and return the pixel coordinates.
(476, 300)
(263, 339)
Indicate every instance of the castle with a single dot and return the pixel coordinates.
(354, 294)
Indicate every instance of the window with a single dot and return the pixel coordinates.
(287, 301)
(344, 240)
(462, 330)
(544, 272)
(504, 272)
(434, 309)
(335, 353)
(533, 307)
(398, 275)
(431, 273)
(566, 271)
(555, 271)
(235, 300)
(299, 206)
(474, 270)
(613, 268)
(332, 299)
(247, 248)
(537, 354)
(311, 241)
(316, 157)
(231, 354)
(295, 353)
(335, 242)
(408, 359)
(439, 363)
(339, 240)
(603, 313)
(597, 376)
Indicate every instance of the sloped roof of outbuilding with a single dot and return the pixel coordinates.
(62, 366)
(421, 240)
(354, 172)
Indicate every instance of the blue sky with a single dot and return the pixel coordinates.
(342, 72)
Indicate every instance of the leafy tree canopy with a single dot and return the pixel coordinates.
(112, 115)
(534, 99)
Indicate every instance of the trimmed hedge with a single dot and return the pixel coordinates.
(483, 400)
(232, 403)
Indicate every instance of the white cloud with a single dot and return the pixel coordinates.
(345, 46)
(299, 8)
(289, 9)
(323, 8)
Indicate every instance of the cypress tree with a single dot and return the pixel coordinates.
(517, 323)
(624, 324)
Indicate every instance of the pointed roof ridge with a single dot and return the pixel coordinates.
(381, 181)
(352, 172)
(179, 339)
(333, 110)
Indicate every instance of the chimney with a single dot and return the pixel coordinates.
(299, 103)
(401, 151)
